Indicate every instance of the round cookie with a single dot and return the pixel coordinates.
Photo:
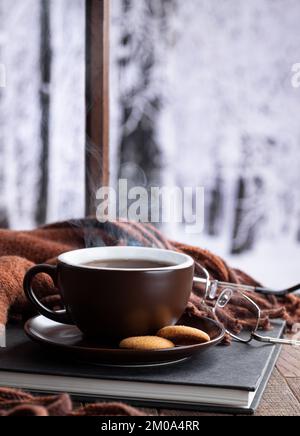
(182, 335)
(146, 343)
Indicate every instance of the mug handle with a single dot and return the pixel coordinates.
(60, 316)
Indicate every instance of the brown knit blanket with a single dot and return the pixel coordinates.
(19, 251)
(18, 403)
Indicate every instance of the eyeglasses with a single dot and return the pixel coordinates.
(240, 315)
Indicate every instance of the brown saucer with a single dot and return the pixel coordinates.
(69, 339)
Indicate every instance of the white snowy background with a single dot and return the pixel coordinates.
(228, 118)
(20, 111)
(211, 80)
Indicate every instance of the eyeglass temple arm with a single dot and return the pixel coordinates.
(259, 290)
(276, 341)
(282, 293)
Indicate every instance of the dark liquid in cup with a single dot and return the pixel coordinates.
(128, 264)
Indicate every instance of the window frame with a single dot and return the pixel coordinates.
(97, 100)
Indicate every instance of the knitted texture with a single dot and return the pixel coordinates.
(18, 403)
(19, 251)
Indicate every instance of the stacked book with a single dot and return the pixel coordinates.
(224, 379)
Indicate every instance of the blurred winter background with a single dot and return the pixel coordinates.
(201, 95)
(42, 114)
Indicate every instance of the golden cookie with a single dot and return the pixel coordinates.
(146, 343)
(181, 335)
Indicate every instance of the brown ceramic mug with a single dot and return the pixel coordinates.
(109, 303)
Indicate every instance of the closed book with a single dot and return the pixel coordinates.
(224, 379)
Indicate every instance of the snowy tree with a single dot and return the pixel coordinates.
(45, 68)
(140, 59)
(228, 122)
(42, 111)
(20, 111)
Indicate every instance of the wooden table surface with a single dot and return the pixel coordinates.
(282, 396)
